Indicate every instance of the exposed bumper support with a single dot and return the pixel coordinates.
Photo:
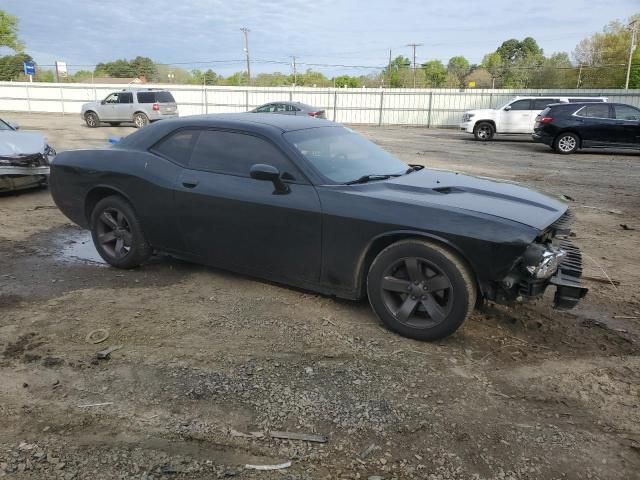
(569, 289)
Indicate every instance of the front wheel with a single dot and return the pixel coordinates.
(484, 131)
(117, 234)
(140, 120)
(566, 143)
(92, 120)
(420, 290)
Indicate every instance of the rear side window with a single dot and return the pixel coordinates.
(521, 105)
(541, 103)
(581, 100)
(626, 112)
(155, 97)
(597, 110)
(177, 146)
(125, 97)
(234, 153)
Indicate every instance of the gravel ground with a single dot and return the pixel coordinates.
(211, 362)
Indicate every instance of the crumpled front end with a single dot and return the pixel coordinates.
(20, 171)
(551, 260)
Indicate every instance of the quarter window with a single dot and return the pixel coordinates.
(625, 112)
(596, 110)
(177, 147)
(234, 154)
(521, 105)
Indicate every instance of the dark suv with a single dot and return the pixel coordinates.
(568, 127)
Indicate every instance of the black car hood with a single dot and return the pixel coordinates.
(454, 190)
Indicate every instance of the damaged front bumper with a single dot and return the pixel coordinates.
(25, 171)
(553, 260)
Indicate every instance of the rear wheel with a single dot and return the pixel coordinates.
(92, 120)
(566, 143)
(484, 131)
(140, 120)
(420, 290)
(117, 234)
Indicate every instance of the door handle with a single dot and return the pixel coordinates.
(190, 183)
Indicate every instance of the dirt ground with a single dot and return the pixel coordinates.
(204, 373)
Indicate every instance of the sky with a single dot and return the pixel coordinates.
(328, 32)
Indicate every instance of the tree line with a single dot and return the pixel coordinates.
(599, 61)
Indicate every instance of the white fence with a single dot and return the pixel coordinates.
(426, 107)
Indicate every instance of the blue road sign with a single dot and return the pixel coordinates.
(29, 68)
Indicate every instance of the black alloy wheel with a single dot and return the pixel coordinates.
(117, 234)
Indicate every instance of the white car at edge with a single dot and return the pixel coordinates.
(516, 116)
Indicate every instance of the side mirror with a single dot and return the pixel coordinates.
(102, 102)
(270, 173)
(13, 125)
(507, 108)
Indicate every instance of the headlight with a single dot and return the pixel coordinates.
(467, 116)
(542, 261)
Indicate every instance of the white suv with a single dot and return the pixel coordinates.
(517, 116)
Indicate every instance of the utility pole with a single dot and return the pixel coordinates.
(414, 45)
(579, 77)
(632, 47)
(389, 71)
(295, 72)
(246, 51)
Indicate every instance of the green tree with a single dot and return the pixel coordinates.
(604, 57)
(555, 72)
(9, 32)
(519, 58)
(435, 73)
(346, 81)
(11, 66)
(395, 74)
(458, 68)
(494, 64)
(138, 67)
(144, 67)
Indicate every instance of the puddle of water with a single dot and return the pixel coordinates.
(78, 247)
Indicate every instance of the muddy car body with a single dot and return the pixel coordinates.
(24, 158)
(423, 245)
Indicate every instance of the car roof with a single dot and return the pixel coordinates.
(261, 123)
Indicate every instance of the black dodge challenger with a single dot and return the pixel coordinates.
(310, 203)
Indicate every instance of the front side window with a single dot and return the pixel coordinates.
(521, 105)
(177, 146)
(597, 110)
(341, 155)
(626, 112)
(113, 98)
(235, 153)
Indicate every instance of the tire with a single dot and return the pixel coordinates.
(114, 218)
(428, 282)
(484, 131)
(114, 124)
(92, 120)
(140, 120)
(566, 143)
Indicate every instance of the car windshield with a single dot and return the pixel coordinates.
(342, 155)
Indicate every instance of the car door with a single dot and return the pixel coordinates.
(627, 119)
(123, 110)
(595, 124)
(107, 107)
(516, 117)
(231, 220)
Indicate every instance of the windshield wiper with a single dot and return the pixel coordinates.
(368, 178)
